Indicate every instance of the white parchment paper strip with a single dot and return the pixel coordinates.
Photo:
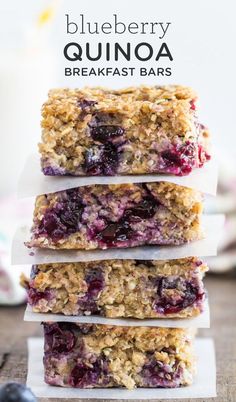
(32, 181)
(202, 321)
(204, 385)
(206, 247)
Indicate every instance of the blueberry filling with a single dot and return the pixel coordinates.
(85, 103)
(144, 210)
(84, 329)
(186, 294)
(95, 283)
(64, 218)
(179, 159)
(34, 296)
(86, 375)
(105, 134)
(53, 171)
(122, 231)
(115, 232)
(34, 271)
(147, 263)
(102, 160)
(158, 374)
(105, 128)
(58, 338)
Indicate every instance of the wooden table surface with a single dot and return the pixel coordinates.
(222, 293)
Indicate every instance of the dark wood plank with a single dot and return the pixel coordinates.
(222, 293)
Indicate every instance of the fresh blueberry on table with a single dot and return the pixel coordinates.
(14, 392)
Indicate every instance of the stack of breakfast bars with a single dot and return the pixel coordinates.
(97, 132)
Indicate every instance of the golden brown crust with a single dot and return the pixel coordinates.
(63, 104)
(154, 120)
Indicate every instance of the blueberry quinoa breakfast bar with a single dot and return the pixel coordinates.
(95, 131)
(93, 356)
(125, 215)
(119, 288)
